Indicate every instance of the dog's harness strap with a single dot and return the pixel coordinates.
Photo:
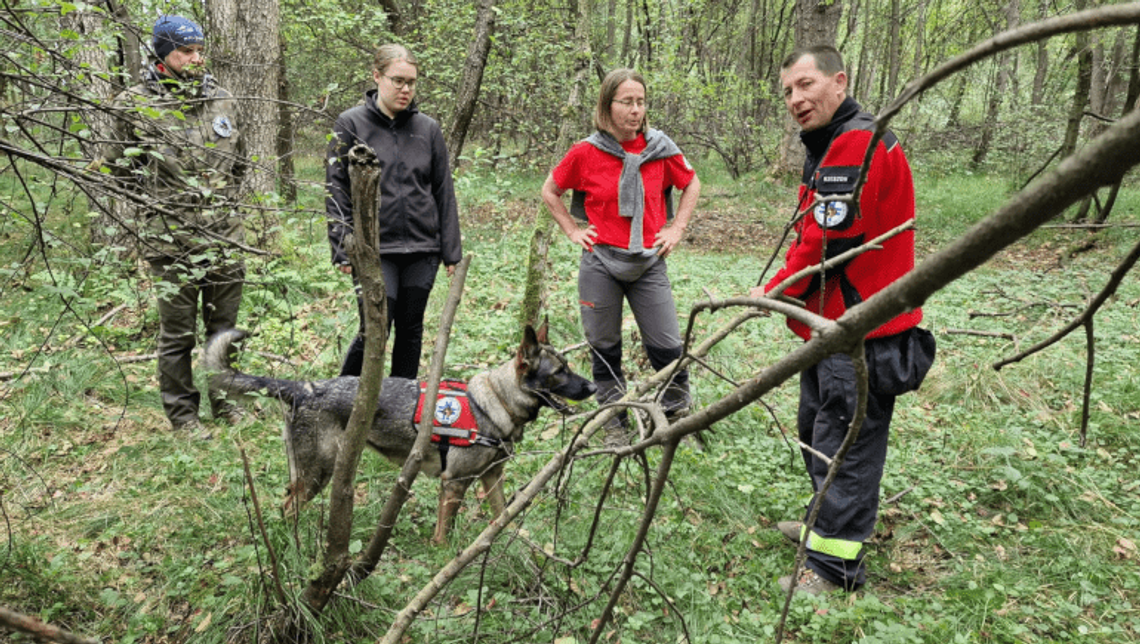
(457, 433)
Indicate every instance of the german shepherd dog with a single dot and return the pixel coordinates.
(503, 401)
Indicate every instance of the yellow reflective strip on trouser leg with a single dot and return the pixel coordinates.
(835, 547)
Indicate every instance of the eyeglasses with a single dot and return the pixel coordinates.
(401, 83)
(629, 103)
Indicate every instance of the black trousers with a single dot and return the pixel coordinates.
(850, 507)
(408, 280)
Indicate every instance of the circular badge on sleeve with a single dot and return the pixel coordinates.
(223, 127)
(831, 214)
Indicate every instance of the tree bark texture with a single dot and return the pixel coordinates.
(469, 86)
(243, 51)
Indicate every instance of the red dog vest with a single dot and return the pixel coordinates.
(453, 418)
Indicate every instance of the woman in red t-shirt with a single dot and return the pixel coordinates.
(622, 177)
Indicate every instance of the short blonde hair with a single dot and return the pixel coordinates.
(390, 53)
(603, 117)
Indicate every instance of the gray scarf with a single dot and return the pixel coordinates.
(631, 190)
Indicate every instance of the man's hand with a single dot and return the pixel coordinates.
(345, 268)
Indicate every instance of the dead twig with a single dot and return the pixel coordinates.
(275, 569)
(983, 334)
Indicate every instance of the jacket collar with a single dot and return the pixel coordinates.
(401, 117)
(817, 141)
(160, 83)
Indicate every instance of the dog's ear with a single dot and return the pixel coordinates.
(527, 349)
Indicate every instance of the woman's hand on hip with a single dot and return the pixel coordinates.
(584, 237)
(667, 239)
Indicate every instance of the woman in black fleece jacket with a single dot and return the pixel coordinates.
(419, 221)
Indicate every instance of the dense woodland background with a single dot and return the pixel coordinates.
(512, 82)
(1010, 511)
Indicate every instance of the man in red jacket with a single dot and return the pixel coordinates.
(836, 132)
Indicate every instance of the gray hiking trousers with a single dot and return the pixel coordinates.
(604, 283)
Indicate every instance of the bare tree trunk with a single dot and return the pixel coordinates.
(285, 134)
(244, 51)
(817, 22)
(1081, 90)
(610, 46)
(627, 37)
(569, 131)
(130, 58)
(859, 82)
(1098, 82)
(1131, 94)
(575, 116)
(895, 54)
(1107, 80)
(395, 16)
(99, 87)
(1003, 73)
(1042, 70)
(472, 79)
(363, 249)
(919, 49)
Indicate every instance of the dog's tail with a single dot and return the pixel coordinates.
(224, 378)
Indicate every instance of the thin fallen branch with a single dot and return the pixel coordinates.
(274, 567)
(34, 627)
(895, 498)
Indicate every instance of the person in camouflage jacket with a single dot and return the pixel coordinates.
(176, 143)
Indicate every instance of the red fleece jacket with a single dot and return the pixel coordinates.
(832, 228)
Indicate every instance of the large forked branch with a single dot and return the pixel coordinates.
(363, 247)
